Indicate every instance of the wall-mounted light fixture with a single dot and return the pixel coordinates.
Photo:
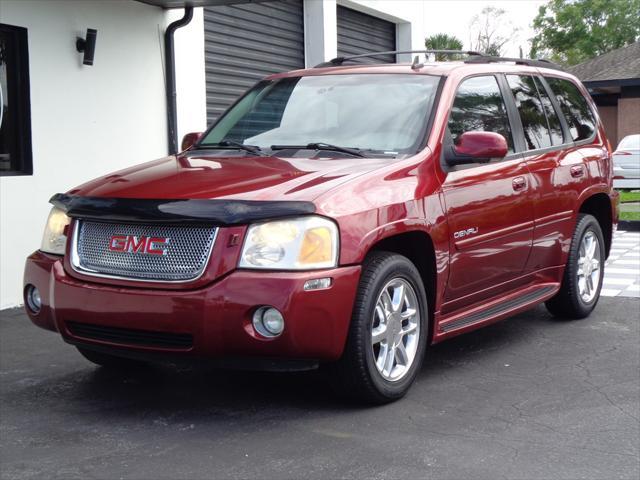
(87, 45)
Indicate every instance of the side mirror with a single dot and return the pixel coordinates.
(189, 140)
(477, 147)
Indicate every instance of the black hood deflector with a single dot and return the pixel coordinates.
(176, 211)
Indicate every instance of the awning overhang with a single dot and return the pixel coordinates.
(194, 3)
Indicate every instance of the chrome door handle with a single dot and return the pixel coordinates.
(577, 171)
(519, 183)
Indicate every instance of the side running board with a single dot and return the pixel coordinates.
(530, 297)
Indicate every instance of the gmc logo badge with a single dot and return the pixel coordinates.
(141, 244)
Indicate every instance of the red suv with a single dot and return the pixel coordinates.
(342, 216)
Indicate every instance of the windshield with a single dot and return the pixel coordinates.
(377, 112)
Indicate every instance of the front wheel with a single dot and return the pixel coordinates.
(388, 332)
(583, 273)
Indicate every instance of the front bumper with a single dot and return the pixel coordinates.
(216, 317)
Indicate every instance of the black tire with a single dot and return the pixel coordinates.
(355, 375)
(110, 361)
(568, 303)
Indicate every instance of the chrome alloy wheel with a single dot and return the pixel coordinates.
(396, 329)
(589, 264)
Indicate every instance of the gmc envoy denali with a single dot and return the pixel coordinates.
(343, 216)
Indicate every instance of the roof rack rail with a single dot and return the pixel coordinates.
(473, 58)
(542, 63)
(335, 62)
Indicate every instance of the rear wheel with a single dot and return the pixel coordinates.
(583, 273)
(109, 361)
(388, 332)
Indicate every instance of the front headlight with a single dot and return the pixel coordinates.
(304, 243)
(54, 239)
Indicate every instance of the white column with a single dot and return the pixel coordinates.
(320, 31)
(191, 84)
(405, 42)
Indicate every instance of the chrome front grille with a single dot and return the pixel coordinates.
(142, 252)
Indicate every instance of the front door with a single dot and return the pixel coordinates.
(489, 206)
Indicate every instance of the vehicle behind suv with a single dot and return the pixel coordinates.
(344, 216)
(626, 163)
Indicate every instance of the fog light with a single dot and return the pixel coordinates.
(268, 322)
(34, 301)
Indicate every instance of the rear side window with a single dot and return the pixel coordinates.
(575, 108)
(532, 112)
(555, 128)
(479, 106)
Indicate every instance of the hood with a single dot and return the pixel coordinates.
(196, 175)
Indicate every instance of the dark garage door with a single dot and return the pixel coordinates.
(361, 33)
(244, 43)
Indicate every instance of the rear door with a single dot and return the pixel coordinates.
(489, 207)
(560, 156)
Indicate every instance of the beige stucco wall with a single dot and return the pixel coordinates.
(628, 117)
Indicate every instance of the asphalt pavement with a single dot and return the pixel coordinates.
(528, 398)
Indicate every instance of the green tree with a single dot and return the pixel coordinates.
(442, 41)
(573, 31)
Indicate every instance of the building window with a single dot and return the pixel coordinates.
(15, 110)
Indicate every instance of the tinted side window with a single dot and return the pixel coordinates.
(534, 120)
(557, 135)
(575, 108)
(479, 106)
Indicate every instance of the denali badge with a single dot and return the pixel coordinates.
(141, 244)
(465, 233)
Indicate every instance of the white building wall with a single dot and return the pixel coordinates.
(86, 120)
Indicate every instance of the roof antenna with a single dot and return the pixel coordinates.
(416, 65)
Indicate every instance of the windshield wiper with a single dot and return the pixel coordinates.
(322, 146)
(230, 143)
